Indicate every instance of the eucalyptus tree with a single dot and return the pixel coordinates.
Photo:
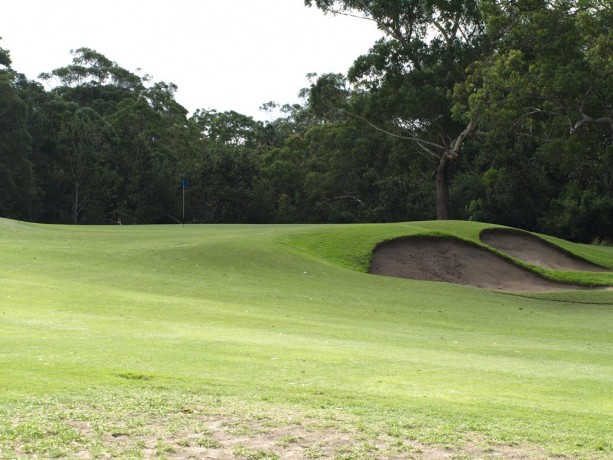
(153, 144)
(338, 169)
(409, 75)
(225, 165)
(18, 193)
(550, 68)
(549, 85)
(94, 81)
(84, 143)
(5, 57)
(230, 127)
(149, 137)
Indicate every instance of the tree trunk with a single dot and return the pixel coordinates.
(443, 210)
(75, 208)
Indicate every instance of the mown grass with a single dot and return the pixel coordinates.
(154, 333)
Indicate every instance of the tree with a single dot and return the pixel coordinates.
(93, 80)
(5, 57)
(409, 75)
(17, 183)
(224, 166)
(230, 128)
(142, 122)
(84, 140)
(551, 67)
(153, 144)
(549, 84)
(18, 193)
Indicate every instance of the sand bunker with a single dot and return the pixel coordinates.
(535, 251)
(455, 261)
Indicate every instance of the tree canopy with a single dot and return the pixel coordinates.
(492, 110)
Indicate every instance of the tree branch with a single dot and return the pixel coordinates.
(347, 197)
(468, 131)
(585, 119)
(422, 143)
(351, 15)
(440, 28)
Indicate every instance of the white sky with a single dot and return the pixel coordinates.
(222, 54)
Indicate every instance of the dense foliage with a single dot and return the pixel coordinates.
(490, 110)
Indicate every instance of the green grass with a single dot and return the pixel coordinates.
(154, 340)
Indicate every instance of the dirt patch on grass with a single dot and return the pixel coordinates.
(224, 431)
(273, 437)
(455, 261)
(535, 251)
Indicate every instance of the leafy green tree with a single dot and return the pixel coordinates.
(223, 187)
(17, 184)
(409, 75)
(229, 128)
(94, 81)
(18, 192)
(581, 209)
(5, 57)
(551, 73)
(281, 179)
(341, 172)
(84, 143)
(549, 85)
(149, 139)
(153, 143)
(224, 166)
(45, 114)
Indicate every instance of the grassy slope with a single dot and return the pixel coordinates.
(277, 314)
(351, 246)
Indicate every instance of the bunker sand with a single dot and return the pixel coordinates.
(535, 251)
(452, 260)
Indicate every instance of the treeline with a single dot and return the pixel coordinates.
(498, 111)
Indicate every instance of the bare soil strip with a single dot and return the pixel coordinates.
(535, 251)
(455, 261)
(205, 433)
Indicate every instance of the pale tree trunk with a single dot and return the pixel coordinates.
(443, 209)
(75, 207)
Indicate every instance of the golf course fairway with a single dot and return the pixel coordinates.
(270, 342)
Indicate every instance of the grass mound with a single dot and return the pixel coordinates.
(208, 340)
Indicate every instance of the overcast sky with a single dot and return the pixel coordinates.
(222, 54)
